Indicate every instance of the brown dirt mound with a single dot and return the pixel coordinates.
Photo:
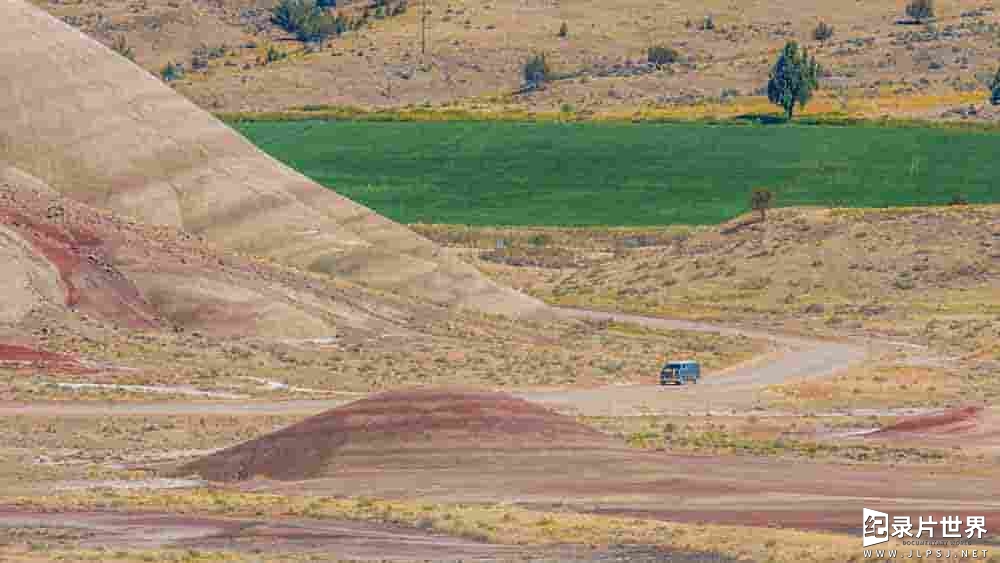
(101, 130)
(952, 421)
(400, 422)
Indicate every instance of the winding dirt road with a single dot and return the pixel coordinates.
(736, 388)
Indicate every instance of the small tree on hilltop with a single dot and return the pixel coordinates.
(995, 89)
(760, 201)
(792, 80)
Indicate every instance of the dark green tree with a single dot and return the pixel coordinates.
(793, 79)
(995, 89)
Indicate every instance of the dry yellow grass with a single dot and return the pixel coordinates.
(497, 523)
(876, 387)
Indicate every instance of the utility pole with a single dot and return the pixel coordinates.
(423, 27)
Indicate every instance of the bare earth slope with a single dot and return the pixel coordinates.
(101, 130)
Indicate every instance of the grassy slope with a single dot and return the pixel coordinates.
(622, 174)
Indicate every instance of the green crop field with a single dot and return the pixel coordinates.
(504, 173)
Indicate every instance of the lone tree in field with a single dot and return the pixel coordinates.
(793, 79)
(760, 201)
(995, 89)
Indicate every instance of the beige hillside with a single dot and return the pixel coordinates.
(99, 129)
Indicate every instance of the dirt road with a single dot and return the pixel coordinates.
(736, 388)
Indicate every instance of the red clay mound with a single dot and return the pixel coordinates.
(952, 421)
(400, 422)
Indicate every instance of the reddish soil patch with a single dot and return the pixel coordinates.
(10, 353)
(92, 283)
(952, 421)
(22, 356)
(401, 422)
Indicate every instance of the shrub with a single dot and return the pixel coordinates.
(920, 10)
(199, 63)
(172, 72)
(273, 54)
(121, 46)
(289, 14)
(823, 32)
(563, 30)
(536, 69)
(959, 199)
(660, 55)
(995, 89)
(708, 24)
(761, 200)
(307, 19)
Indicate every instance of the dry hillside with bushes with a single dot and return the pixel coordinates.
(878, 60)
(923, 274)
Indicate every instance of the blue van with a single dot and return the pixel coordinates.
(679, 373)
